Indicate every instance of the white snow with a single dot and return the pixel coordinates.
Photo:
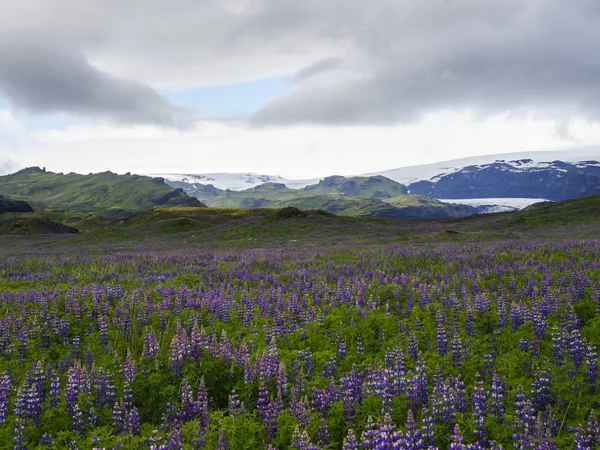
(539, 160)
(489, 205)
(234, 181)
(405, 175)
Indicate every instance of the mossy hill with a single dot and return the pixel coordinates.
(8, 205)
(185, 227)
(375, 196)
(103, 194)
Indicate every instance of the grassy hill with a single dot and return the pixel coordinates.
(28, 225)
(377, 187)
(103, 194)
(186, 227)
(9, 205)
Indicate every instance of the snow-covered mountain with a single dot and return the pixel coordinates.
(234, 181)
(523, 178)
(491, 183)
(411, 174)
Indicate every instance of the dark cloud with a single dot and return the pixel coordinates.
(355, 61)
(485, 56)
(44, 79)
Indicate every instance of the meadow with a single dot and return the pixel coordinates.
(458, 345)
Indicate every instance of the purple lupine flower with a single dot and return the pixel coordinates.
(470, 323)
(412, 438)
(103, 329)
(523, 345)
(282, 380)
(457, 440)
(413, 345)
(54, 389)
(351, 391)
(299, 409)
(151, 346)
(329, 369)
(274, 407)
(576, 349)
(520, 399)
(341, 350)
(77, 418)
(74, 383)
(236, 407)
(46, 439)
(301, 440)
(19, 438)
(587, 436)
(5, 388)
(262, 401)
(540, 390)
(177, 355)
(591, 371)
(198, 439)
(133, 422)
(118, 418)
(323, 433)
(89, 360)
(558, 347)
(127, 396)
(457, 351)
(427, 429)
(359, 347)
(176, 439)
(442, 337)
(187, 411)
(368, 439)
(496, 399)
(350, 442)
(129, 368)
(202, 404)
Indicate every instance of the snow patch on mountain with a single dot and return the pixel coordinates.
(517, 161)
(493, 205)
(234, 181)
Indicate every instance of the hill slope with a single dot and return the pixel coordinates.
(354, 196)
(14, 206)
(104, 194)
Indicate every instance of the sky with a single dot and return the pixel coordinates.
(297, 89)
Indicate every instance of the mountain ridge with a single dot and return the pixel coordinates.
(105, 194)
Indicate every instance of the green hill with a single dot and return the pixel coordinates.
(27, 225)
(8, 205)
(377, 187)
(376, 196)
(104, 194)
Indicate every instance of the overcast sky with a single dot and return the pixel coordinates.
(292, 88)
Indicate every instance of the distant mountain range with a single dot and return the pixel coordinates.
(490, 183)
(442, 190)
(375, 196)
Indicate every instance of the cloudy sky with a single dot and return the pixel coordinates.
(295, 88)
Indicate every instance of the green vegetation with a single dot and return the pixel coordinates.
(8, 205)
(103, 194)
(376, 196)
(33, 225)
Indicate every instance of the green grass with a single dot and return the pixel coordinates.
(103, 194)
(182, 227)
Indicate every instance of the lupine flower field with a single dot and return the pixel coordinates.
(447, 346)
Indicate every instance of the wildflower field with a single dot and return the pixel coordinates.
(460, 346)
